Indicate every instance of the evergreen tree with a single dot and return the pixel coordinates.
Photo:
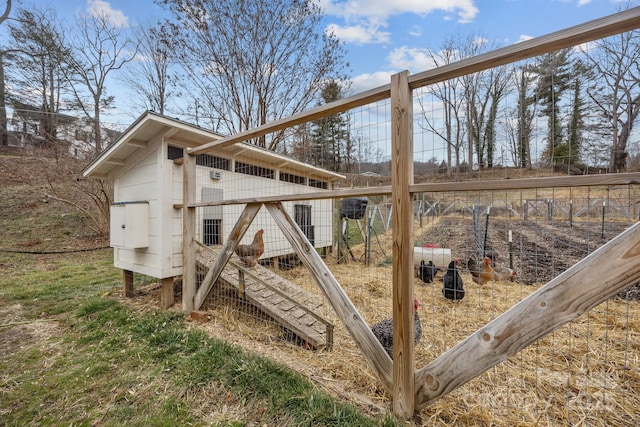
(525, 114)
(554, 79)
(576, 124)
(329, 136)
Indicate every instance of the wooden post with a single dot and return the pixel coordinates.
(402, 233)
(127, 276)
(188, 232)
(167, 296)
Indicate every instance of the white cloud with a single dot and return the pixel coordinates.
(480, 41)
(410, 58)
(415, 31)
(523, 38)
(359, 34)
(363, 21)
(100, 8)
(465, 10)
(369, 81)
(585, 47)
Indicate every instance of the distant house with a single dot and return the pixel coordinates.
(369, 173)
(26, 127)
(146, 229)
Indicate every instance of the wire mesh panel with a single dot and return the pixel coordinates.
(583, 371)
(504, 245)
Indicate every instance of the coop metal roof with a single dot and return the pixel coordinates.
(151, 125)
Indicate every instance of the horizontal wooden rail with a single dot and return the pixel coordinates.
(485, 185)
(599, 28)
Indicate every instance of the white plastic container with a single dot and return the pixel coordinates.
(441, 257)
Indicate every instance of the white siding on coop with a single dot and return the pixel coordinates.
(237, 186)
(142, 172)
(138, 181)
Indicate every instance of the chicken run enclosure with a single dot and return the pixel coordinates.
(556, 344)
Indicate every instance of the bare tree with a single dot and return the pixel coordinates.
(39, 59)
(149, 75)
(4, 137)
(616, 91)
(100, 47)
(254, 61)
(469, 105)
(497, 85)
(458, 98)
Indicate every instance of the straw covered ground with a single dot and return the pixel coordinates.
(585, 374)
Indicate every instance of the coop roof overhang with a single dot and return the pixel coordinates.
(151, 125)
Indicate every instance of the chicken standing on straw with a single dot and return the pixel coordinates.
(383, 330)
(452, 286)
(490, 273)
(250, 253)
(427, 272)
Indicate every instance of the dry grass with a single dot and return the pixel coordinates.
(586, 373)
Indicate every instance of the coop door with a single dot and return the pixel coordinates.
(129, 225)
(212, 217)
(302, 217)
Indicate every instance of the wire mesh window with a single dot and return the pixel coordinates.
(214, 162)
(295, 179)
(212, 231)
(318, 184)
(254, 170)
(302, 217)
(174, 152)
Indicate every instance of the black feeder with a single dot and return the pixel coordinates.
(354, 208)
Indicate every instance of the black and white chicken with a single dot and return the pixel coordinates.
(452, 288)
(383, 330)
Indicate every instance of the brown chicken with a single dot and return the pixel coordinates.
(486, 274)
(489, 273)
(250, 253)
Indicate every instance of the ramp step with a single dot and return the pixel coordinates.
(291, 306)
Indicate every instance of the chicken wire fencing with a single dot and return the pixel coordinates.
(584, 373)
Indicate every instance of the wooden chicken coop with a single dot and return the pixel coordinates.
(146, 228)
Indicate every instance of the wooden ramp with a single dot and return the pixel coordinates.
(289, 305)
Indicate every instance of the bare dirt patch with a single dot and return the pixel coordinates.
(17, 333)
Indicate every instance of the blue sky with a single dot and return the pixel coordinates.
(383, 37)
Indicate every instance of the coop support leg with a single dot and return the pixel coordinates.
(127, 276)
(166, 293)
